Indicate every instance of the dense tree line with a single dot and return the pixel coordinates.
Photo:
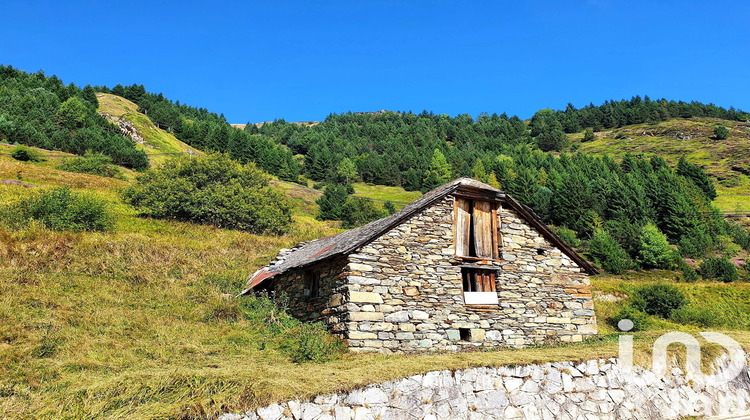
(42, 111)
(210, 132)
(628, 212)
(391, 148)
(637, 110)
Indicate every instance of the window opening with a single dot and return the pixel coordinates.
(476, 229)
(478, 280)
(312, 283)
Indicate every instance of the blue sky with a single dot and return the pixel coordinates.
(257, 61)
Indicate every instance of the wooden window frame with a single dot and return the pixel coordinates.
(479, 286)
(312, 283)
(464, 242)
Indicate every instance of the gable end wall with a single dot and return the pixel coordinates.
(404, 292)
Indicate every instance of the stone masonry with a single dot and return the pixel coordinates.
(592, 390)
(405, 292)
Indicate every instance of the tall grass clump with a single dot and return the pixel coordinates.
(300, 341)
(94, 164)
(61, 209)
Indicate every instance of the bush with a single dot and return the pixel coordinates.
(689, 275)
(95, 164)
(212, 189)
(654, 250)
(568, 235)
(658, 299)
(62, 209)
(695, 243)
(588, 135)
(359, 211)
(311, 343)
(727, 247)
(608, 253)
(640, 320)
(25, 154)
(719, 268)
(332, 202)
(721, 132)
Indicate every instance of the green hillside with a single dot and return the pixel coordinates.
(141, 321)
(159, 144)
(726, 161)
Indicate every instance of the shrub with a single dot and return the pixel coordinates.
(95, 164)
(569, 236)
(654, 250)
(332, 202)
(588, 135)
(389, 207)
(63, 209)
(658, 299)
(359, 211)
(695, 243)
(608, 253)
(689, 275)
(25, 154)
(727, 247)
(212, 189)
(719, 268)
(640, 320)
(721, 132)
(311, 343)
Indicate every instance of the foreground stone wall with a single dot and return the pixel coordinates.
(405, 291)
(597, 389)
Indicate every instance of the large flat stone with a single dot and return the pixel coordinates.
(365, 297)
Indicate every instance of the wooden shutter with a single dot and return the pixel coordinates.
(483, 235)
(463, 226)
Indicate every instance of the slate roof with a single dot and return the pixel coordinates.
(347, 242)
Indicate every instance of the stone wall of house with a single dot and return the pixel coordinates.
(596, 389)
(404, 290)
(328, 304)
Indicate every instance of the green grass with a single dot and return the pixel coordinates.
(158, 142)
(381, 192)
(692, 138)
(141, 321)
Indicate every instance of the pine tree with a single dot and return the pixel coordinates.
(89, 95)
(438, 173)
(697, 176)
(346, 172)
(332, 202)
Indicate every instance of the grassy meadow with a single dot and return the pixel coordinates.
(142, 321)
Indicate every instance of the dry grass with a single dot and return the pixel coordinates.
(141, 322)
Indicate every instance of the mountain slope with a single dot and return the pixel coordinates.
(726, 161)
(157, 143)
(139, 322)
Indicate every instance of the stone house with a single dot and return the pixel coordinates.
(464, 265)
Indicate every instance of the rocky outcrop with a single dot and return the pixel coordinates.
(596, 389)
(126, 127)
